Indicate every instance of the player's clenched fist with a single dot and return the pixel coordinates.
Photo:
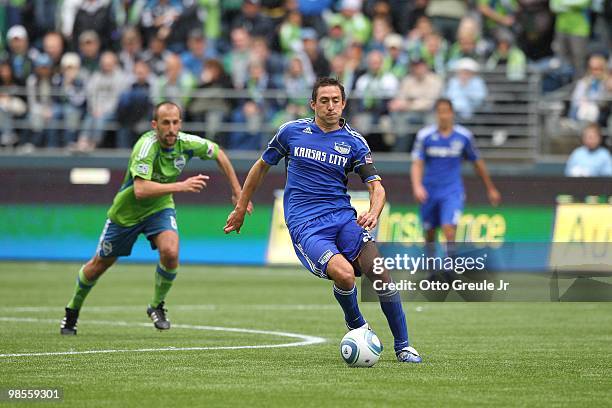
(494, 197)
(420, 194)
(367, 220)
(195, 184)
(234, 221)
(249, 208)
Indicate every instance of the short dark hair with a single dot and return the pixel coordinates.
(441, 101)
(327, 81)
(159, 105)
(594, 126)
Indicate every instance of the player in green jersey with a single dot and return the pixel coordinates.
(144, 205)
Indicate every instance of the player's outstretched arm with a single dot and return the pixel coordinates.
(416, 177)
(492, 193)
(252, 182)
(226, 167)
(149, 189)
(369, 219)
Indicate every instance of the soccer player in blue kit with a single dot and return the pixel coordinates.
(330, 240)
(436, 172)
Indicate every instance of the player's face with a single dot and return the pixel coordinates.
(445, 115)
(167, 125)
(329, 105)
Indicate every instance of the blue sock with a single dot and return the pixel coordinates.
(348, 302)
(391, 305)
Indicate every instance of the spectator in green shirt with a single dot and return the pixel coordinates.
(507, 55)
(572, 29)
(497, 13)
(354, 22)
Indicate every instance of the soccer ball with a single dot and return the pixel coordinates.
(360, 348)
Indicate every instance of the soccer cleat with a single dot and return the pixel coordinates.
(69, 322)
(158, 315)
(408, 355)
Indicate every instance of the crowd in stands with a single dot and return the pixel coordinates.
(74, 69)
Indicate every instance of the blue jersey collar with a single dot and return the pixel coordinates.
(442, 134)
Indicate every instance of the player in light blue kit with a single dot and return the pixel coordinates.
(328, 237)
(436, 172)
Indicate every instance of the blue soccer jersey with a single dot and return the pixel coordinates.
(318, 164)
(442, 157)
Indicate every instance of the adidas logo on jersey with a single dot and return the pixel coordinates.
(307, 130)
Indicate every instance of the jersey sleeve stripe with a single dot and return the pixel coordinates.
(143, 149)
(282, 153)
(357, 135)
(464, 131)
(191, 138)
(278, 143)
(426, 131)
(146, 147)
(282, 127)
(418, 142)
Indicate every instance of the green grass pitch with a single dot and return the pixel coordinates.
(488, 354)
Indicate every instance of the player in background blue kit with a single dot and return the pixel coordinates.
(328, 237)
(436, 172)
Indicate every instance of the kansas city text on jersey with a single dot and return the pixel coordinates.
(320, 156)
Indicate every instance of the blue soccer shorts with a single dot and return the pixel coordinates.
(442, 209)
(317, 240)
(116, 240)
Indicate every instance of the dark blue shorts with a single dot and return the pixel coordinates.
(116, 240)
(442, 209)
(317, 240)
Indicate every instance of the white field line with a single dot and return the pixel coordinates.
(305, 340)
